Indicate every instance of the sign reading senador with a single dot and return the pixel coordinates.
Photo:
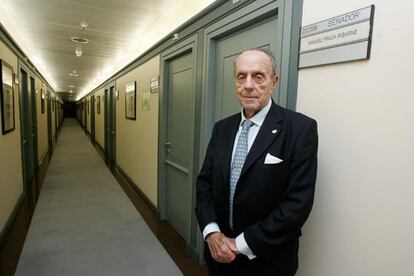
(342, 38)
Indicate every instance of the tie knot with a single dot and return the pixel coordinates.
(247, 124)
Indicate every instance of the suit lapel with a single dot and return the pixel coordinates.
(267, 134)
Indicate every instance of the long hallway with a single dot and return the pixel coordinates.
(84, 224)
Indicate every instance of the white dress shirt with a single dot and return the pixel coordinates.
(257, 119)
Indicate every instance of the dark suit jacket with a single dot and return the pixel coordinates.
(271, 201)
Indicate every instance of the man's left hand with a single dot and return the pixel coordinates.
(231, 243)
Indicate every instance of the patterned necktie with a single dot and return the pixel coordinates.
(237, 163)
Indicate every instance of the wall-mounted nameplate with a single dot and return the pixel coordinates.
(339, 39)
(155, 84)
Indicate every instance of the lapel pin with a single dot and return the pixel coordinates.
(274, 131)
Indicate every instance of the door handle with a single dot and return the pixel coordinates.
(168, 146)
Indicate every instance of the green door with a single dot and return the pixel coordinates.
(93, 118)
(180, 97)
(56, 116)
(107, 126)
(49, 123)
(110, 126)
(34, 134)
(227, 49)
(85, 114)
(27, 140)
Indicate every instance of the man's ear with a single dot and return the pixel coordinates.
(275, 79)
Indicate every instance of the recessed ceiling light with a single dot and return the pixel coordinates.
(71, 86)
(80, 40)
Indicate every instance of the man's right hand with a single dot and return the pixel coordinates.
(219, 248)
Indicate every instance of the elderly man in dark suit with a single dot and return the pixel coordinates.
(256, 187)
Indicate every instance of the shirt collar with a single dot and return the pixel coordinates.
(259, 117)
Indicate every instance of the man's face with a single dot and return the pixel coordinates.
(254, 81)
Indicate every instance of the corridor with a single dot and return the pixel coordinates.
(84, 224)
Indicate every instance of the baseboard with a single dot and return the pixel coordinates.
(13, 237)
(192, 251)
(10, 221)
(138, 190)
(44, 156)
(100, 150)
(42, 171)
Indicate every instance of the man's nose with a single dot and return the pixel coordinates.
(249, 82)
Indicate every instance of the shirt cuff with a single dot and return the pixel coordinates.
(242, 246)
(210, 228)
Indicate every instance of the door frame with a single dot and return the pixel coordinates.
(34, 132)
(92, 114)
(54, 102)
(49, 121)
(85, 115)
(289, 14)
(110, 115)
(186, 46)
(29, 162)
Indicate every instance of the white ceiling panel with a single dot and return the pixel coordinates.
(113, 26)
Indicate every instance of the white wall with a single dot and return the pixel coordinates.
(362, 221)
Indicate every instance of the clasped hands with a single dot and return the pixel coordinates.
(222, 248)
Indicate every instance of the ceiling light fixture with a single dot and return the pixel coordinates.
(80, 40)
(78, 51)
(73, 73)
(84, 25)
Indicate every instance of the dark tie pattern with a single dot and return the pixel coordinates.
(237, 163)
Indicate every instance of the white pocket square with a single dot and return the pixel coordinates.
(270, 159)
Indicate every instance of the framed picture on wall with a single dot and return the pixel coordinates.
(6, 97)
(42, 100)
(130, 100)
(98, 105)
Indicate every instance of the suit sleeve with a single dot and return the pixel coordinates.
(204, 193)
(284, 223)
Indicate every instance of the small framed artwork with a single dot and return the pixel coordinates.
(98, 105)
(130, 100)
(42, 100)
(7, 97)
(146, 101)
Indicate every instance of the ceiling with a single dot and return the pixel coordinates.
(118, 32)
